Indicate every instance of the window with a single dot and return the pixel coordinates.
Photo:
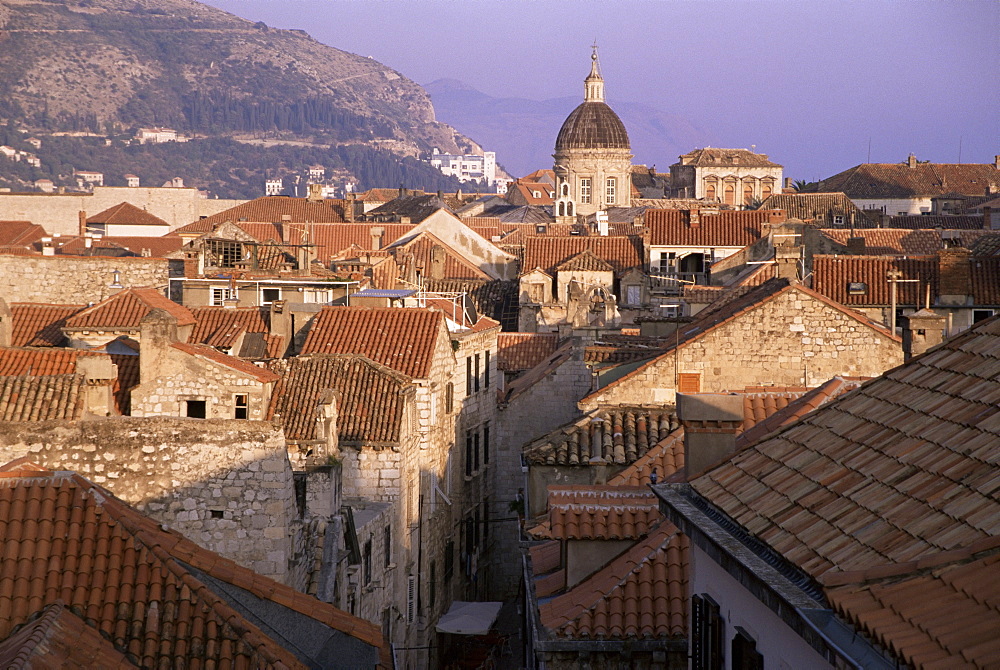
(707, 628)
(468, 453)
(612, 187)
(224, 253)
(585, 196)
(857, 288)
(981, 314)
(689, 382)
(269, 295)
(195, 409)
(468, 375)
(387, 545)
(745, 654)
(486, 369)
(668, 262)
(220, 295)
(838, 219)
(633, 295)
(486, 442)
(476, 378)
(411, 598)
(475, 451)
(433, 584)
(710, 191)
(486, 519)
(449, 398)
(747, 194)
(449, 560)
(541, 228)
(765, 190)
(241, 406)
(730, 194)
(366, 565)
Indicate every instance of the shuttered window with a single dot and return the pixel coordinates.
(689, 382)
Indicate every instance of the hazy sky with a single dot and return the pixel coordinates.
(807, 82)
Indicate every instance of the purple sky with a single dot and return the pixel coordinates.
(807, 82)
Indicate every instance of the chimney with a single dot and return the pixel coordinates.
(855, 246)
(954, 276)
(99, 375)
(694, 218)
(786, 257)
(281, 321)
(315, 193)
(924, 329)
(376, 232)
(157, 332)
(48, 247)
(438, 258)
(6, 324)
(404, 219)
(83, 222)
(192, 263)
(996, 162)
(88, 241)
(788, 182)
(989, 223)
(911, 161)
(350, 206)
(711, 421)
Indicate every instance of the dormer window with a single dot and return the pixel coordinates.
(857, 288)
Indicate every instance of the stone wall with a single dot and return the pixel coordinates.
(793, 339)
(79, 280)
(60, 213)
(226, 485)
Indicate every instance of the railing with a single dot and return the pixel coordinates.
(672, 282)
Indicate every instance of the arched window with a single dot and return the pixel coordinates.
(710, 191)
(562, 209)
(747, 194)
(565, 189)
(610, 192)
(730, 193)
(569, 209)
(765, 190)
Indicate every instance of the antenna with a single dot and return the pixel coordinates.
(869, 149)
(959, 149)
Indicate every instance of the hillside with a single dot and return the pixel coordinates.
(523, 132)
(112, 65)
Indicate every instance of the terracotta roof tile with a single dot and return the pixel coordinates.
(900, 241)
(523, 351)
(401, 339)
(947, 617)
(945, 221)
(126, 309)
(271, 209)
(155, 611)
(585, 260)
(220, 327)
(370, 398)
(640, 594)
(39, 325)
(899, 180)
(41, 398)
(127, 214)
(547, 253)
(901, 476)
(417, 252)
(675, 227)
(496, 298)
(157, 247)
(710, 156)
(577, 512)
(59, 639)
(37, 362)
(818, 207)
(20, 233)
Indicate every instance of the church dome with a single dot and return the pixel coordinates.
(592, 125)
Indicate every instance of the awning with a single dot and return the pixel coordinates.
(469, 618)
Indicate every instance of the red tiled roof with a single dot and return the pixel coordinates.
(832, 274)
(527, 192)
(944, 221)
(601, 512)
(947, 617)
(899, 180)
(35, 362)
(125, 213)
(547, 253)
(41, 397)
(39, 325)
(126, 309)
(641, 594)
(158, 247)
(710, 156)
(985, 279)
(237, 364)
(586, 261)
(220, 326)
(20, 233)
(401, 339)
(616, 434)
(418, 251)
(900, 241)
(271, 209)
(59, 639)
(128, 578)
(523, 351)
(673, 227)
(902, 468)
(819, 207)
(370, 398)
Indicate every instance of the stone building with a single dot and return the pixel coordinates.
(736, 177)
(777, 333)
(593, 158)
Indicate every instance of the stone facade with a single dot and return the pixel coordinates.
(59, 214)
(793, 339)
(226, 485)
(79, 280)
